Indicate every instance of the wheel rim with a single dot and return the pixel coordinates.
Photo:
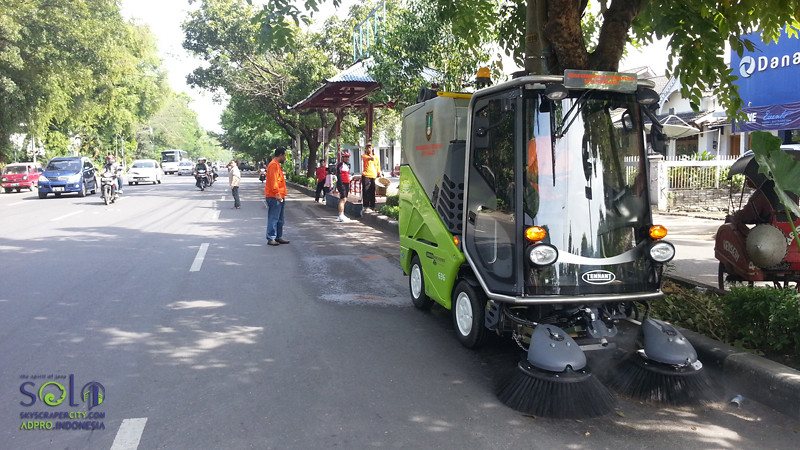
(416, 281)
(463, 313)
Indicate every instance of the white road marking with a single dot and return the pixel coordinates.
(66, 215)
(222, 199)
(215, 216)
(129, 434)
(198, 260)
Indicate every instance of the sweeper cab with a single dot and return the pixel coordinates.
(525, 210)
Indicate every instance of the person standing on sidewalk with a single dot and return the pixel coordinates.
(343, 184)
(371, 169)
(322, 172)
(275, 193)
(234, 178)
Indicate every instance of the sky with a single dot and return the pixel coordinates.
(164, 17)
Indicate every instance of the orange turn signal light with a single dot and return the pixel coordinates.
(535, 234)
(456, 240)
(658, 231)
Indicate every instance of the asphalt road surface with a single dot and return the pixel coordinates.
(170, 308)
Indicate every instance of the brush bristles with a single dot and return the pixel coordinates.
(568, 395)
(653, 382)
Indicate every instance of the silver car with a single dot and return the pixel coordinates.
(185, 168)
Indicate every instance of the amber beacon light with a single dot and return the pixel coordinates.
(535, 234)
(658, 232)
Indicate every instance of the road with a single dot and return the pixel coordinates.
(693, 239)
(200, 335)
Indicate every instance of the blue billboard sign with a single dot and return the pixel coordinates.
(770, 74)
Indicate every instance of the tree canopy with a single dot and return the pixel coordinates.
(74, 75)
(574, 34)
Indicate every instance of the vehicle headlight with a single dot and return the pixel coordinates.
(662, 251)
(542, 254)
(4, 179)
(43, 178)
(74, 178)
(24, 178)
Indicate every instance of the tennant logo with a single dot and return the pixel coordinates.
(598, 277)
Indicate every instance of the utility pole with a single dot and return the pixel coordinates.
(535, 43)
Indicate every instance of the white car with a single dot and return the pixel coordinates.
(185, 168)
(145, 171)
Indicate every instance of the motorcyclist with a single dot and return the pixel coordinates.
(201, 165)
(111, 166)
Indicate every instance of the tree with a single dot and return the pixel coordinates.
(74, 70)
(573, 35)
(272, 79)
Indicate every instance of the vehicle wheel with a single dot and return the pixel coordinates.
(42, 194)
(469, 306)
(416, 285)
(19, 190)
(106, 194)
(57, 194)
(726, 280)
(82, 192)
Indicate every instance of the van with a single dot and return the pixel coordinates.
(21, 175)
(66, 174)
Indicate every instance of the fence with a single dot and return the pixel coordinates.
(683, 173)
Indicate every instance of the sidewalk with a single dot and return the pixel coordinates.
(751, 376)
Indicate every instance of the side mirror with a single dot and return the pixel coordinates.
(658, 140)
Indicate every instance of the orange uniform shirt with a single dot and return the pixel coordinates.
(276, 182)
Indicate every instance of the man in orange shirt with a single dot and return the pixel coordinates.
(275, 193)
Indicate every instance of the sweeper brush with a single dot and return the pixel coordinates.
(566, 395)
(654, 382)
(665, 370)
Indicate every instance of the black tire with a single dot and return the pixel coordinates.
(469, 309)
(8, 190)
(82, 192)
(106, 194)
(42, 194)
(416, 285)
(19, 190)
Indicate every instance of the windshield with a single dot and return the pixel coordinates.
(69, 165)
(586, 187)
(15, 170)
(143, 164)
(169, 157)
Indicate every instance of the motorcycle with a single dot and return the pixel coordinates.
(108, 184)
(203, 180)
(262, 174)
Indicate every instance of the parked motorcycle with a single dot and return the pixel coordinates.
(108, 184)
(203, 180)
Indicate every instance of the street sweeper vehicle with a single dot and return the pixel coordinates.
(525, 211)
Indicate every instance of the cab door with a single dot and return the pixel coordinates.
(491, 239)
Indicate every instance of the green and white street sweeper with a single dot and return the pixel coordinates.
(525, 210)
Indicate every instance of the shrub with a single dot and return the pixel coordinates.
(390, 211)
(697, 311)
(764, 318)
(392, 200)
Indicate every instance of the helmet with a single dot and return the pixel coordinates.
(345, 154)
(110, 158)
(201, 159)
